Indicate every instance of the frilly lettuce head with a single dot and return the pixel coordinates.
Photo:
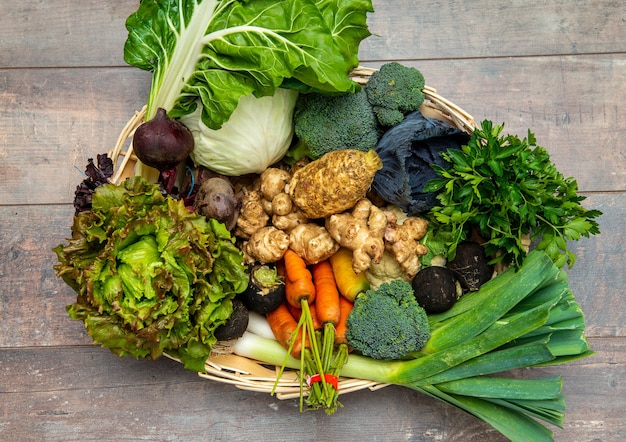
(151, 276)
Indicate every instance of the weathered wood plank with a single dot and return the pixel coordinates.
(477, 28)
(89, 394)
(33, 300)
(406, 30)
(63, 33)
(51, 121)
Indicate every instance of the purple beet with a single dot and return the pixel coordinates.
(162, 142)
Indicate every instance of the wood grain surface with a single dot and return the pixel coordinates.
(557, 67)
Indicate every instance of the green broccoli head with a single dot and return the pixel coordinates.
(393, 91)
(388, 323)
(324, 123)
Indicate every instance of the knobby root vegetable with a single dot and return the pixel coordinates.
(386, 270)
(312, 242)
(402, 240)
(273, 182)
(333, 183)
(277, 203)
(290, 221)
(252, 216)
(268, 244)
(281, 205)
(362, 231)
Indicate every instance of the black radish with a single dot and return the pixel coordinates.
(266, 289)
(471, 266)
(435, 289)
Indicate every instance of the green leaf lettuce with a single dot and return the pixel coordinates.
(151, 276)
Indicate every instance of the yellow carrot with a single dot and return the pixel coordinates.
(349, 283)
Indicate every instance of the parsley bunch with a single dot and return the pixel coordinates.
(507, 188)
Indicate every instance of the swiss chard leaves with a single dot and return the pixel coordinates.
(221, 50)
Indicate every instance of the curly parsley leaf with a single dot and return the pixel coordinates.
(507, 188)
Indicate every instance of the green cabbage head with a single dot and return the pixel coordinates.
(151, 276)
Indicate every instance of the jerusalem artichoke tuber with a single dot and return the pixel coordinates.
(362, 231)
(402, 240)
(252, 216)
(312, 242)
(268, 244)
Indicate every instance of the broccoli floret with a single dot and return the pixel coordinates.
(393, 91)
(325, 123)
(388, 323)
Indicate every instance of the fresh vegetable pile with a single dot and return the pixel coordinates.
(522, 318)
(271, 186)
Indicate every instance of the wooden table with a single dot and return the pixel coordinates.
(556, 67)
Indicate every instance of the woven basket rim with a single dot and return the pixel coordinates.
(245, 373)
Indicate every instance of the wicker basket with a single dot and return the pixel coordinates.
(242, 372)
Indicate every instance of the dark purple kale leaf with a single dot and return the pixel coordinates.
(408, 151)
(95, 176)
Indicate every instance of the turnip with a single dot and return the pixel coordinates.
(216, 199)
(265, 291)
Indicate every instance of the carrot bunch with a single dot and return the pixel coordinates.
(311, 324)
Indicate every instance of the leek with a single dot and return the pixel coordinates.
(532, 319)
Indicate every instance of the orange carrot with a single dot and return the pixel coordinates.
(349, 283)
(296, 312)
(345, 307)
(301, 279)
(284, 326)
(326, 293)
